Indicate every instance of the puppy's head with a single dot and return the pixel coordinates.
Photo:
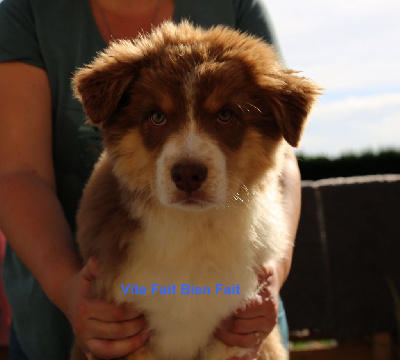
(193, 117)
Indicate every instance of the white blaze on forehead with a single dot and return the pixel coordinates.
(195, 143)
(191, 145)
(190, 94)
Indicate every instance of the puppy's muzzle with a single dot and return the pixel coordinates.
(188, 177)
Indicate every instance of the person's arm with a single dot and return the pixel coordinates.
(30, 209)
(260, 315)
(291, 197)
(34, 223)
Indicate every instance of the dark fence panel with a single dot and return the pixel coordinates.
(348, 244)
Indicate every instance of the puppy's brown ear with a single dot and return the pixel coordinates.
(101, 84)
(292, 99)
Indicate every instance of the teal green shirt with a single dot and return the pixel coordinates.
(60, 36)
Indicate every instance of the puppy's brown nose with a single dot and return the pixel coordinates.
(188, 177)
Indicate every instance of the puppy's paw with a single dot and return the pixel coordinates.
(272, 347)
(216, 350)
(144, 353)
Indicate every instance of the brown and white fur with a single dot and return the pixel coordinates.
(196, 124)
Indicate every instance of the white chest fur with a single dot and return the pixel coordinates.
(210, 254)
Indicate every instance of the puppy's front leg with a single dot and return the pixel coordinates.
(216, 350)
(144, 353)
(271, 349)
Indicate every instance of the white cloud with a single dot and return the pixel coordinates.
(349, 48)
(345, 74)
(354, 124)
(367, 104)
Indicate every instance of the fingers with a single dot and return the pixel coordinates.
(253, 308)
(252, 323)
(113, 339)
(103, 329)
(98, 319)
(107, 349)
(243, 332)
(249, 340)
(264, 304)
(245, 326)
(116, 330)
(265, 272)
(90, 270)
(106, 311)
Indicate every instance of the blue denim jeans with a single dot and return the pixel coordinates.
(283, 325)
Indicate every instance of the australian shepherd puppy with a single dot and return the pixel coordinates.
(185, 200)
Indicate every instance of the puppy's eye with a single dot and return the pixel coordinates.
(224, 116)
(158, 118)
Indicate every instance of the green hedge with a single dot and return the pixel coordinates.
(367, 163)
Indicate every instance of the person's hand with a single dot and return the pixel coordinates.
(101, 328)
(250, 325)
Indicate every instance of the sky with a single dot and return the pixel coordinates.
(350, 48)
